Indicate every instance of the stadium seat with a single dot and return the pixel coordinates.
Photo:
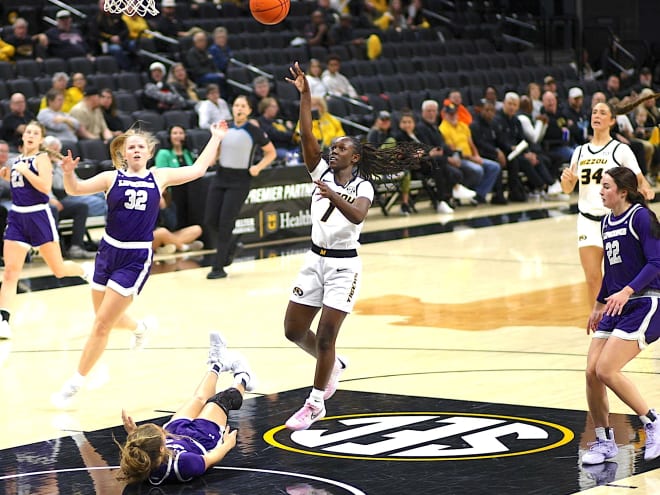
(54, 64)
(149, 120)
(129, 81)
(106, 64)
(81, 64)
(101, 81)
(93, 150)
(127, 102)
(183, 118)
(25, 86)
(28, 68)
(7, 71)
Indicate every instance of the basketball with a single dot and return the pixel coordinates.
(270, 11)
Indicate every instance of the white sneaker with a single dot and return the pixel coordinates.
(145, 327)
(5, 330)
(333, 382)
(305, 416)
(600, 451)
(218, 353)
(63, 398)
(555, 188)
(444, 208)
(240, 366)
(193, 246)
(652, 449)
(166, 249)
(462, 192)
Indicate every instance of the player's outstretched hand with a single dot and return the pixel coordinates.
(219, 129)
(299, 80)
(69, 163)
(129, 424)
(229, 437)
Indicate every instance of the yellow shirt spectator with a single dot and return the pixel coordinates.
(6, 51)
(326, 128)
(136, 26)
(457, 136)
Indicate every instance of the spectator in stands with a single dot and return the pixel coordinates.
(314, 78)
(533, 127)
(642, 148)
(640, 119)
(550, 84)
(334, 80)
(220, 50)
(158, 94)
(415, 17)
(490, 94)
(260, 90)
(578, 119)
(279, 131)
(479, 173)
(557, 140)
(344, 34)
(178, 241)
(446, 161)
(326, 128)
(454, 96)
(64, 206)
(653, 117)
(645, 82)
(485, 139)
(109, 109)
(64, 40)
(177, 199)
(393, 18)
(534, 94)
(613, 87)
(28, 47)
(199, 62)
(5, 193)
(213, 109)
(88, 112)
(381, 130)
(137, 28)
(180, 82)
(13, 124)
(406, 133)
(6, 51)
(531, 161)
(59, 82)
(58, 123)
(317, 31)
(108, 34)
(168, 24)
(231, 184)
(76, 92)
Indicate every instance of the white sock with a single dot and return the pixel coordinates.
(77, 380)
(239, 378)
(79, 438)
(185, 247)
(316, 397)
(141, 327)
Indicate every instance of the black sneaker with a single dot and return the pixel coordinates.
(234, 249)
(405, 209)
(498, 199)
(213, 274)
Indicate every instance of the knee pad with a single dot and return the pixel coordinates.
(228, 400)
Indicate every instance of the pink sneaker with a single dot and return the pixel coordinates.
(305, 416)
(333, 382)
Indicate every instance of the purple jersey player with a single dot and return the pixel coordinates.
(197, 436)
(124, 258)
(30, 222)
(625, 317)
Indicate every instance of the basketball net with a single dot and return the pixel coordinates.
(131, 7)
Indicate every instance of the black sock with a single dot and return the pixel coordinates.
(215, 368)
(651, 415)
(609, 433)
(5, 315)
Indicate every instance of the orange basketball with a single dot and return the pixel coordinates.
(270, 11)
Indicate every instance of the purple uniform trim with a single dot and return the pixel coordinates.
(190, 440)
(123, 270)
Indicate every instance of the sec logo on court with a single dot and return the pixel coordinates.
(422, 436)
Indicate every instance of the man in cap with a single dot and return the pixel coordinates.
(169, 25)
(89, 114)
(64, 40)
(645, 81)
(381, 131)
(549, 84)
(578, 118)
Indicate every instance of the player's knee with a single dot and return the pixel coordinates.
(293, 332)
(228, 400)
(101, 328)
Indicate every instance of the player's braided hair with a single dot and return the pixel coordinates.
(627, 107)
(625, 180)
(375, 162)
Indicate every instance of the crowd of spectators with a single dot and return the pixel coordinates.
(507, 144)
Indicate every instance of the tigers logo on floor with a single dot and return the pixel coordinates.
(422, 436)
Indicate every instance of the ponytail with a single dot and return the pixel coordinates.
(142, 453)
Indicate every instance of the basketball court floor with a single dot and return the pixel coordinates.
(466, 370)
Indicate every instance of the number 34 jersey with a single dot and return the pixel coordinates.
(330, 228)
(592, 162)
(133, 208)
